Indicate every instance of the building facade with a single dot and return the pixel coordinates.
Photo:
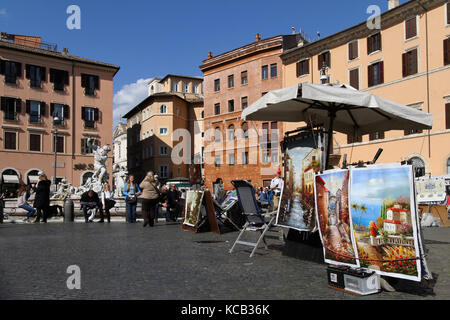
(236, 149)
(176, 108)
(120, 146)
(38, 85)
(406, 61)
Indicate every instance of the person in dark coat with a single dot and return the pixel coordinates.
(2, 205)
(173, 198)
(90, 202)
(42, 198)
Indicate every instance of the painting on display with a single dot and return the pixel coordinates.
(230, 200)
(383, 212)
(302, 160)
(193, 208)
(431, 189)
(333, 218)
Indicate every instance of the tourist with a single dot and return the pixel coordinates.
(163, 202)
(131, 191)
(42, 198)
(219, 190)
(173, 199)
(23, 204)
(264, 198)
(276, 186)
(108, 203)
(2, 205)
(90, 203)
(149, 196)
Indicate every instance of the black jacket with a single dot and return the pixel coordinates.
(172, 197)
(42, 199)
(85, 198)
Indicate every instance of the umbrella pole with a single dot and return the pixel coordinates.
(332, 115)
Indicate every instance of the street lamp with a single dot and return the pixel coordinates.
(56, 121)
(323, 73)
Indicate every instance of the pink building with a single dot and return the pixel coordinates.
(37, 84)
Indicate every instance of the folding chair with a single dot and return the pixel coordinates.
(256, 220)
(223, 216)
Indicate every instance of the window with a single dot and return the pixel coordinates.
(90, 83)
(196, 88)
(273, 71)
(410, 28)
(164, 172)
(302, 68)
(86, 149)
(376, 73)
(447, 51)
(231, 159)
(265, 72)
(265, 138)
(447, 116)
(59, 78)
(376, 135)
(59, 141)
(163, 151)
(35, 74)
(230, 105)
(36, 110)
(90, 116)
(11, 107)
(448, 13)
(353, 50)
(245, 130)
(245, 158)
(174, 86)
(409, 132)
(163, 109)
(324, 58)
(418, 166)
(374, 43)
(217, 109)
(244, 102)
(409, 63)
(217, 134)
(10, 140)
(217, 161)
(12, 70)
(354, 78)
(244, 78)
(217, 85)
(202, 115)
(185, 87)
(265, 156)
(354, 138)
(230, 133)
(231, 82)
(163, 131)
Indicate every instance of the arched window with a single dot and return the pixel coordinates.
(419, 166)
(32, 177)
(245, 130)
(163, 109)
(230, 133)
(217, 134)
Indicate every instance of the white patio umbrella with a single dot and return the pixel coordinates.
(339, 107)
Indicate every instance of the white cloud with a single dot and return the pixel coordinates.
(128, 97)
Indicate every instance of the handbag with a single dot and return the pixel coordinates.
(110, 203)
(157, 190)
(132, 200)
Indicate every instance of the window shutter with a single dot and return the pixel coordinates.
(52, 109)
(2, 66)
(381, 73)
(18, 69)
(370, 73)
(369, 45)
(298, 68)
(96, 114)
(28, 71)
(18, 105)
(447, 51)
(83, 113)
(96, 83)
(328, 57)
(28, 107)
(447, 116)
(3, 104)
(354, 78)
(66, 78)
(66, 112)
(405, 66)
(84, 80)
(43, 108)
(320, 61)
(414, 61)
(307, 66)
(43, 74)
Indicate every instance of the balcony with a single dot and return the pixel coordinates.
(90, 125)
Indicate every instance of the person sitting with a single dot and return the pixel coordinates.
(163, 201)
(23, 204)
(173, 198)
(264, 198)
(90, 203)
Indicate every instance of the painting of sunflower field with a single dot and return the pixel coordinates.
(382, 206)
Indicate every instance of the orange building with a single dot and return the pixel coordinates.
(235, 149)
(406, 61)
(38, 83)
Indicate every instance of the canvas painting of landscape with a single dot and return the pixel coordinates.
(297, 205)
(333, 217)
(383, 211)
(193, 207)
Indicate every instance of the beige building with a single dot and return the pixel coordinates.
(38, 83)
(177, 104)
(406, 61)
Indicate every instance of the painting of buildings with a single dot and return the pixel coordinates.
(301, 162)
(384, 220)
(193, 206)
(333, 217)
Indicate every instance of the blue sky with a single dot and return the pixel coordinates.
(153, 38)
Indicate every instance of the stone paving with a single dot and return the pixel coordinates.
(127, 261)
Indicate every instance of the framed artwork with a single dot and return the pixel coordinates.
(193, 207)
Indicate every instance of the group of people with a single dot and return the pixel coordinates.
(153, 197)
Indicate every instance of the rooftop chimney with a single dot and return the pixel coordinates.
(210, 55)
(258, 37)
(393, 4)
(65, 51)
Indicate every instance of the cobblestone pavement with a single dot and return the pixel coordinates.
(127, 261)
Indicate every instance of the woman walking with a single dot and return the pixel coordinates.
(42, 198)
(131, 191)
(150, 195)
(23, 204)
(108, 202)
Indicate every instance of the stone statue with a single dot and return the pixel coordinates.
(100, 157)
(120, 176)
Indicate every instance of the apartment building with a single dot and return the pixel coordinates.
(175, 103)
(406, 61)
(51, 102)
(236, 149)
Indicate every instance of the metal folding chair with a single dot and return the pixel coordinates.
(257, 221)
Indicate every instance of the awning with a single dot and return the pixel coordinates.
(10, 179)
(33, 179)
